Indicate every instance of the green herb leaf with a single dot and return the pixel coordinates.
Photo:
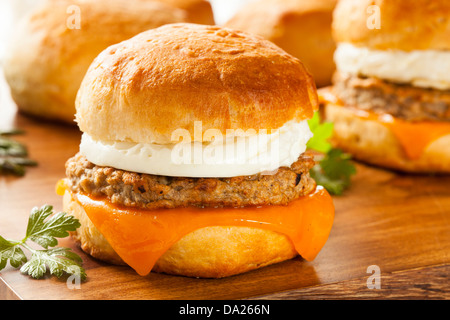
(322, 132)
(337, 165)
(13, 154)
(43, 229)
(10, 250)
(334, 168)
(44, 232)
(11, 132)
(58, 260)
(334, 171)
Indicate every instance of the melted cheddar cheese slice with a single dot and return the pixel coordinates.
(414, 137)
(141, 236)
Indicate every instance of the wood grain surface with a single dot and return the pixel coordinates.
(413, 284)
(396, 222)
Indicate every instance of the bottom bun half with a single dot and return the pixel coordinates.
(211, 252)
(374, 143)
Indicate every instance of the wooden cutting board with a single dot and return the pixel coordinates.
(393, 225)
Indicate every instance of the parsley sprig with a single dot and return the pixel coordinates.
(43, 231)
(13, 154)
(334, 168)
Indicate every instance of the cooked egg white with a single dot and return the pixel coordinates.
(420, 68)
(232, 155)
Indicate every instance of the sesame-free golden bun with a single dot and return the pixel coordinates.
(198, 11)
(404, 25)
(50, 52)
(210, 252)
(301, 27)
(168, 78)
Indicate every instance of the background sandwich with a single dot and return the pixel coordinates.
(300, 27)
(208, 216)
(198, 11)
(52, 47)
(390, 100)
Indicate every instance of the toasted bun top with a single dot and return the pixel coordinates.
(274, 12)
(198, 11)
(271, 18)
(145, 88)
(403, 25)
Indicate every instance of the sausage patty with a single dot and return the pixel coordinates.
(153, 191)
(401, 101)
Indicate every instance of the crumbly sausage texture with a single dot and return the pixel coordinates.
(401, 101)
(152, 191)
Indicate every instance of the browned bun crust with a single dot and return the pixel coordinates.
(198, 11)
(211, 252)
(372, 142)
(170, 77)
(302, 28)
(405, 25)
(49, 55)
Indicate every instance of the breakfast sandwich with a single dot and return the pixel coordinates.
(390, 99)
(54, 44)
(193, 156)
